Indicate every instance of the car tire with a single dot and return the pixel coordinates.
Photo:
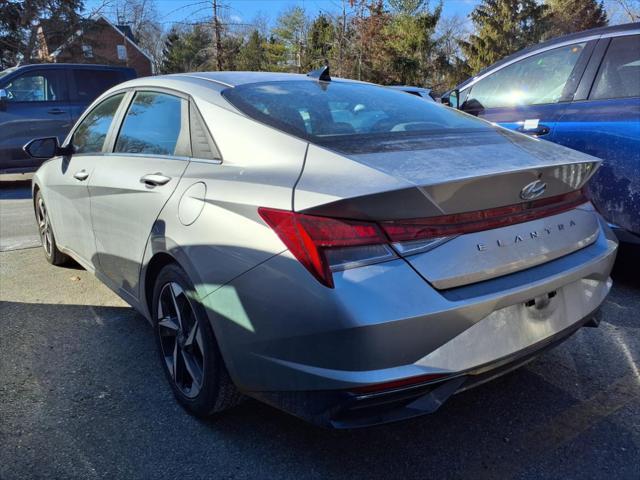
(45, 230)
(188, 349)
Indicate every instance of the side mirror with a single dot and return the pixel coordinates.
(450, 98)
(3, 99)
(45, 148)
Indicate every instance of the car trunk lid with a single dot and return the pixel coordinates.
(492, 205)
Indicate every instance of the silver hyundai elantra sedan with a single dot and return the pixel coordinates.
(348, 253)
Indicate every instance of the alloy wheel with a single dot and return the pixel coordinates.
(180, 339)
(44, 227)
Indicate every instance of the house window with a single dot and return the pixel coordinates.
(87, 51)
(122, 52)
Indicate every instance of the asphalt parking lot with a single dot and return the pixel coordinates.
(82, 395)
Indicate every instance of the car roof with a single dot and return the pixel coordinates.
(594, 32)
(236, 78)
(209, 85)
(71, 65)
(409, 88)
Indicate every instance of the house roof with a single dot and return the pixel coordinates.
(126, 30)
(58, 37)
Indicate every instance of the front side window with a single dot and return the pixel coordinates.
(90, 135)
(39, 86)
(347, 116)
(535, 80)
(152, 125)
(619, 74)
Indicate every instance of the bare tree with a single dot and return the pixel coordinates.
(143, 19)
(630, 9)
(217, 35)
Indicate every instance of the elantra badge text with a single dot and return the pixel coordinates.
(546, 231)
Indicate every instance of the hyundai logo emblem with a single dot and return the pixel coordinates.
(533, 190)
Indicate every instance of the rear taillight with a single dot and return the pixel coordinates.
(320, 243)
(324, 244)
(476, 221)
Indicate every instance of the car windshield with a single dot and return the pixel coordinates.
(345, 115)
(7, 71)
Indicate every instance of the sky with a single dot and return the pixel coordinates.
(244, 11)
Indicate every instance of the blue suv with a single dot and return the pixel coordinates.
(45, 100)
(581, 91)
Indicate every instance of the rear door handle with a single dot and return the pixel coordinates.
(56, 111)
(155, 179)
(81, 175)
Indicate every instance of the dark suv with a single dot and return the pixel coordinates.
(45, 100)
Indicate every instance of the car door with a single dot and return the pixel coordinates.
(530, 94)
(67, 179)
(131, 185)
(36, 106)
(604, 121)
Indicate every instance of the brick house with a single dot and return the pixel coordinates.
(96, 40)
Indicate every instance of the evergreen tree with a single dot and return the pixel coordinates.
(319, 43)
(186, 51)
(568, 16)
(20, 19)
(277, 55)
(503, 27)
(252, 56)
(231, 47)
(12, 35)
(410, 47)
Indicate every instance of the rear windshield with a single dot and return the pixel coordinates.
(347, 116)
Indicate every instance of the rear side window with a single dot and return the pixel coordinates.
(91, 83)
(154, 125)
(619, 74)
(90, 135)
(536, 80)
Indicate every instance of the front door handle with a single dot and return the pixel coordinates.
(155, 179)
(81, 175)
(536, 132)
(56, 111)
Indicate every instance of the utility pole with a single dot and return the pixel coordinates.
(343, 34)
(217, 35)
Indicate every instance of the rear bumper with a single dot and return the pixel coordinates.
(302, 347)
(343, 409)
